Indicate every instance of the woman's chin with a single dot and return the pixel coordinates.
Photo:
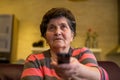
(58, 45)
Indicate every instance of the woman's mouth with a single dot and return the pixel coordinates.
(58, 39)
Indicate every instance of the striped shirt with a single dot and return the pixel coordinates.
(37, 66)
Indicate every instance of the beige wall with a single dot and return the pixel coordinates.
(100, 15)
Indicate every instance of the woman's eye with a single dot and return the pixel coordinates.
(51, 28)
(63, 27)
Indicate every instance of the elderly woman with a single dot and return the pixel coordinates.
(58, 27)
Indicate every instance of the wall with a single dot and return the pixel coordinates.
(100, 15)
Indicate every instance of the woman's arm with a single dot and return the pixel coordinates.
(31, 69)
(83, 65)
(76, 71)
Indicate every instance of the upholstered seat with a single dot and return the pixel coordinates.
(10, 71)
(14, 71)
(112, 68)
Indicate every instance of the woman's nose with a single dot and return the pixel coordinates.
(58, 31)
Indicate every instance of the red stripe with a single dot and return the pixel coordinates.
(78, 51)
(99, 68)
(39, 72)
(84, 49)
(106, 74)
(50, 72)
(32, 72)
(40, 56)
(33, 57)
(91, 64)
(85, 56)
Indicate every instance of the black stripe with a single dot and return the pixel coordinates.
(89, 60)
(82, 53)
(50, 78)
(37, 63)
(32, 78)
(103, 75)
(39, 78)
(31, 64)
(86, 52)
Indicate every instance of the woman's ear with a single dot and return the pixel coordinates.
(44, 36)
(73, 35)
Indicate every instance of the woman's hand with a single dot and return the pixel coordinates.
(67, 71)
(76, 71)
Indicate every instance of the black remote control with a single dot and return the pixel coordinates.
(63, 58)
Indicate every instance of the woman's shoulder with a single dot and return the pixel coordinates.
(39, 55)
(81, 49)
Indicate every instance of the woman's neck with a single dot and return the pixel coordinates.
(54, 52)
(60, 50)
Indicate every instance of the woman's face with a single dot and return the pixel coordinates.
(58, 33)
